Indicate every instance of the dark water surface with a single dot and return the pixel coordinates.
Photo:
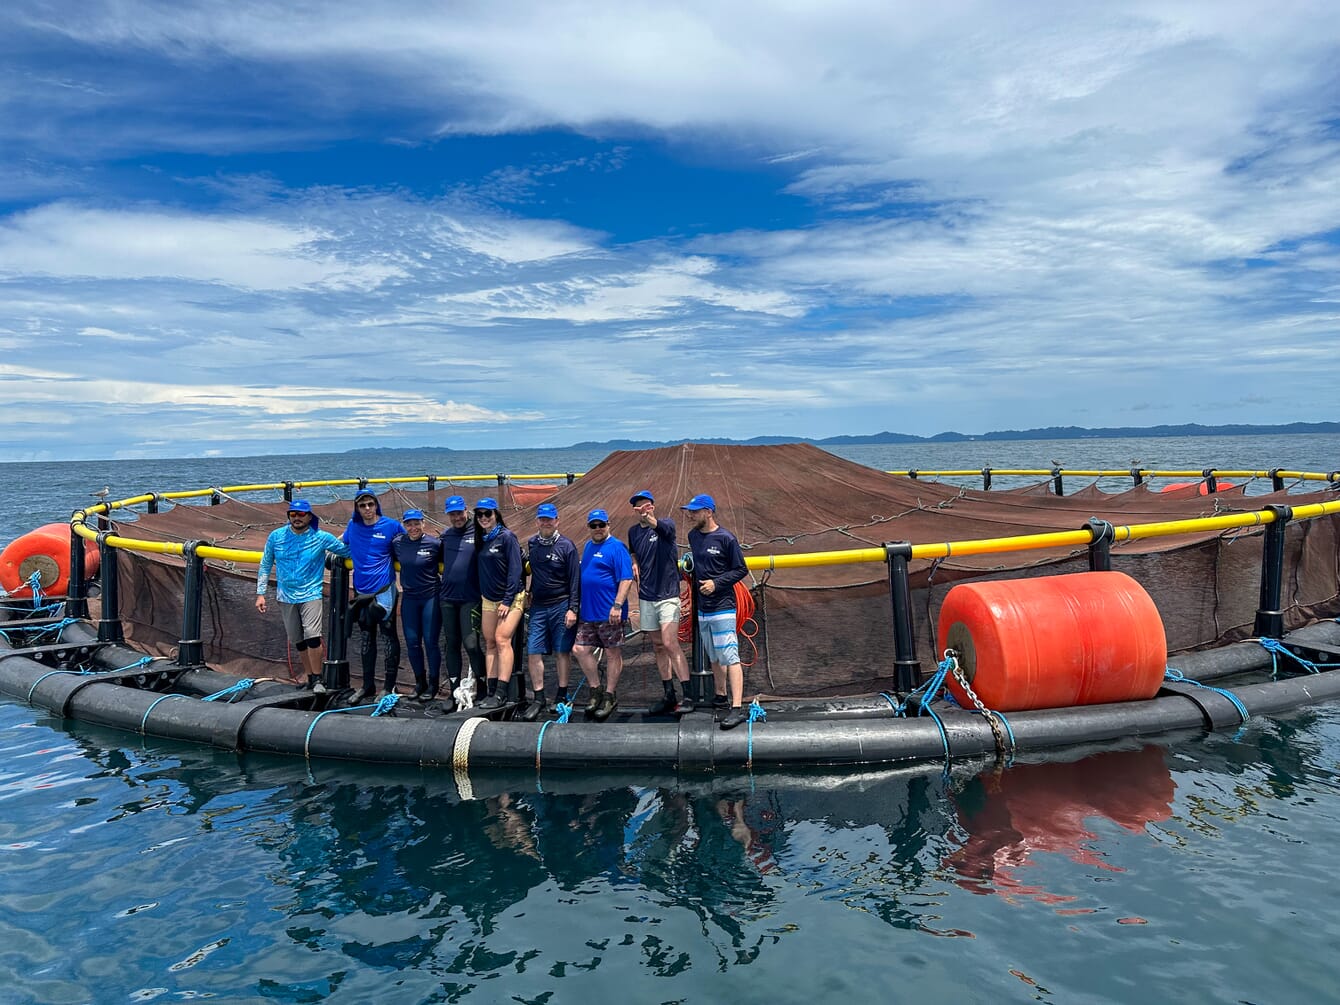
(1196, 870)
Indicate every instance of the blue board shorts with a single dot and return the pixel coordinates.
(720, 643)
(548, 633)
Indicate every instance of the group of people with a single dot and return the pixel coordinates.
(467, 587)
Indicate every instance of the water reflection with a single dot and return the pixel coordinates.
(1008, 818)
(272, 878)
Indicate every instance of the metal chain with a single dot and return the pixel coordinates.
(991, 719)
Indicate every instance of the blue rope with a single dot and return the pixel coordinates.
(232, 693)
(37, 633)
(1175, 675)
(131, 666)
(381, 707)
(892, 704)
(1276, 648)
(85, 673)
(35, 584)
(154, 705)
(757, 713)
(564, 709)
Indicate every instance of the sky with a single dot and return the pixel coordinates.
(252, 227)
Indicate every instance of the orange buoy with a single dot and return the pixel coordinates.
(1081, 639)
(45, 551)
(1204, 486)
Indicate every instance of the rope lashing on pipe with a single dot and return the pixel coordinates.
(757, 713)
(1276, 648)
(383, 706)
(1177, 677)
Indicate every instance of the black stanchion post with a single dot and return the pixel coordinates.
(335, 669)
(76, 593)
(1057, 484)
(153, 502)
(190, 652)
(572, 477)
(1210, 484)
(288, 492)
(700, 675)
(906, 669)
(1100, 548)
(1270, 611)
(215, 497)
(912, 474)
(109, 625)
(1137, 476)
(432, 483)
(362, 484)
(986, 479)
(516, 687)
(1276, 481)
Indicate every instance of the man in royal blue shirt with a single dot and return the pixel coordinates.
(656, 569)
(607, 579)
(369, 536)
(554, 591)
(718, 564)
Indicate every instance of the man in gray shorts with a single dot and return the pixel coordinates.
(297, 553)
(656, 569)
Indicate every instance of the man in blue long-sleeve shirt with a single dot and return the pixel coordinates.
(298, 555)
(555, 576)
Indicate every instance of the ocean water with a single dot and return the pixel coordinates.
(1195, 869)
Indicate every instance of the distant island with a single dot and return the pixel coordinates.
(1043, 433)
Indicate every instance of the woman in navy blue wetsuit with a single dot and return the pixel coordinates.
(419, 555)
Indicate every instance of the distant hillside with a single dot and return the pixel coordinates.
(1044, 433)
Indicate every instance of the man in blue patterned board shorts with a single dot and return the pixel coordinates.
(718, 564)
(607, 579)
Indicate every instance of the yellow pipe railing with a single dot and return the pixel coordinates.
(985, 546)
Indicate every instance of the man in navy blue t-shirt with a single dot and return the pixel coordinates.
(656, 569)
(718, 564)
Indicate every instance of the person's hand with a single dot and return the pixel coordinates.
(504, 610)
(616, 613)
(708, 587)
(569, 619)
(260, 602)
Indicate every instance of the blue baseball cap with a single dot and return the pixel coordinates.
(547, 509)
(299, 506)
(454, 504)
(701, 501)
(488, 502)
(644, 494)
(598, 514)
(413, 514)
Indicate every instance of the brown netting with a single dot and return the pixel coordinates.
(819, 631)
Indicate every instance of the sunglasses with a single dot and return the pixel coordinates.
(597, 523)
(480, 513)
(367, 505)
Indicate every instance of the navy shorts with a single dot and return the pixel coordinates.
(547, 632)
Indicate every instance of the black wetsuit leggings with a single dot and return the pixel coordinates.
(460, 622)
(368, 651)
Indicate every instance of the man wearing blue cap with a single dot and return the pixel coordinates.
(718, 564)
(607, 579)
(420, 616)
(555, 575)
(369, 535)
(298, 554)
(459, 598)
(656, 569)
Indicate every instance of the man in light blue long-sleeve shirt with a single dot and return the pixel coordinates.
(298, 555)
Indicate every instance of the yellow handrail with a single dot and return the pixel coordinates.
(985, 546)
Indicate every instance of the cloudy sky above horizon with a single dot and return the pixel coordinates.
(268, 228)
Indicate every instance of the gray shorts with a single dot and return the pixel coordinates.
(652, 614)
(302, 621)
